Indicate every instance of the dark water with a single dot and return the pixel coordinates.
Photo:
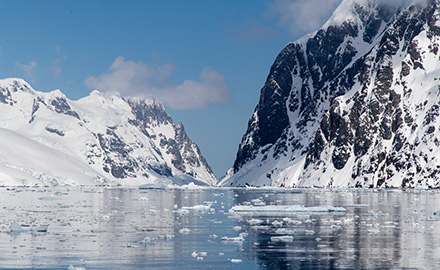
(91, 228)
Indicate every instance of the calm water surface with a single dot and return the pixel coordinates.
(99, 228)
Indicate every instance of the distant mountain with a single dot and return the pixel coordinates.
(354, 104)
(47, 139)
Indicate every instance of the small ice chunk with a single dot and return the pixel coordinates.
(146, 241)
(184, 231)
(169, 236)
(284, 231)
(183, 212)
(284, 238)
(255, 221)
(194, 254)
(258, 202)
(237, 228)
(233, 239)
(71, 267)
(277, 223)
(15, 227)
(199, 207)
(143, 199)
(236, 260)
(41, 228)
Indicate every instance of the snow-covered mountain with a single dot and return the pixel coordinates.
(47, 139)
(354, 104)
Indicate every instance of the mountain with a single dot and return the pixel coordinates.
(47, 139)
(354, 104)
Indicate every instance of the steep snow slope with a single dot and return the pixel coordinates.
(102, 138)
(353, 104)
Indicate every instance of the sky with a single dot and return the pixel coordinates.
(205, 60)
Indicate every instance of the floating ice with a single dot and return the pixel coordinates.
(233, 239)
(277, 223)
(236, 261)
(71, 267)
(258, 202)
(41, 228)
(284, 231)
(200, 207)
(15, 227)
(190, 186)
(184, 231)
(284, 238)
(356, 205)
(146, 241)
(283, 209)
(255, 221)
(143, 199)
(237, 228)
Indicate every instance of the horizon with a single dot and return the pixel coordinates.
(206, 62)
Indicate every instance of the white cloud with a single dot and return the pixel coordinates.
(28, 69)
(140, 79)
(302, 16)
(56, 69)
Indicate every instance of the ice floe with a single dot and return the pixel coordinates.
(283, 209)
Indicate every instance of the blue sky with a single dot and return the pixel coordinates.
(206, 60)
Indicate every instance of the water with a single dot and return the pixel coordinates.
(98, 228)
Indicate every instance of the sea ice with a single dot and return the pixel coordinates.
(71, 267)
(143, 199)
(283, 209)
(284, 238)
(233, 239)
(184, 231)
(284, 231)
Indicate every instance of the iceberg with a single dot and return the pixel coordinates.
(284, 209)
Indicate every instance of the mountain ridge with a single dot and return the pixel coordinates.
(103, 137)
(305, 130)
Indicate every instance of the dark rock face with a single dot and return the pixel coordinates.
(60, 105)
(348, 109)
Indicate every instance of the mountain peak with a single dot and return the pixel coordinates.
(102, 138)
(353, 104)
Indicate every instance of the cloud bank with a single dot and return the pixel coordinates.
(302, 16)
(140, 79)
(29, 69)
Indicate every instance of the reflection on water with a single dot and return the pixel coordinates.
(96, 228)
